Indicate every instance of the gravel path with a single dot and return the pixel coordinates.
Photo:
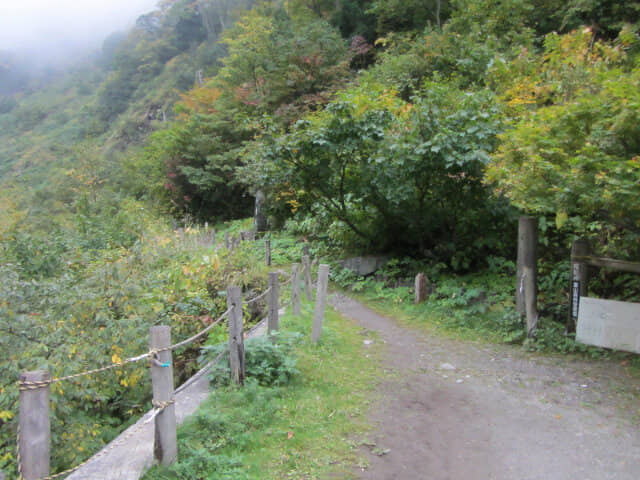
(453, 410)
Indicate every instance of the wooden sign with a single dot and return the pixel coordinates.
(609, 324)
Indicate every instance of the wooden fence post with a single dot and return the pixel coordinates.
(527, 257)
(227, 241)
(580, 251)
(267, 251)
(295, 289)
(306, 267)
(421, 288)
(305, 249)
(236, 335)
(35, 428)
(321, 300)
(272, 312)
(165, 445)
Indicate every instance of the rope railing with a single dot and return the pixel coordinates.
(259, 297)
(153, 355)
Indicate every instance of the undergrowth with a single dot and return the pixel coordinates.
(283, 423)
(478, 306)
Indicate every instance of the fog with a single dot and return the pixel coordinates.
(50, 32)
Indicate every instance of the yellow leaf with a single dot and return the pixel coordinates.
(561, 218)
(6, 415)
(115, 358)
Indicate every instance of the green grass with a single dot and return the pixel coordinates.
(307, 429)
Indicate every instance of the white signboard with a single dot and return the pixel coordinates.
(610, 324)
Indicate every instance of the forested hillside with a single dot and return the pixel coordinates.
(417, 129)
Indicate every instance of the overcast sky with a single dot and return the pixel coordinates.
(53, 27)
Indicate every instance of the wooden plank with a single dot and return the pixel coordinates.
(35, 427)
(613, 264)
(609, 324)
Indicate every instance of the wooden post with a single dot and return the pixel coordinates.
(2, 477)
(306, 267)
(236, 335)
(305, 249)
(321, 300)
(295, 289)
(527, 257)
(421, 287)
(227, 242)
(580, 251)
(267, 251)
(272, 312)
(165, 445)
(35, 428)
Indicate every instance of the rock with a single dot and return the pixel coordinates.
(364, 266)
(447, 366)
(368, 342)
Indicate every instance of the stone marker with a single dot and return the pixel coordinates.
(609, 324)
(422, 288)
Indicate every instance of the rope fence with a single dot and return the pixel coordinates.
(34, 432)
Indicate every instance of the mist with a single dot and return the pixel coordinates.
(48, 33)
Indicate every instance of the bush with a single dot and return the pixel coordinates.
(268, 362)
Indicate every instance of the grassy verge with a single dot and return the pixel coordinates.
(306, 429)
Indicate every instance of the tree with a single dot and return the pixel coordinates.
(400, 177)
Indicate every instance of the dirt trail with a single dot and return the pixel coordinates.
(453, 410)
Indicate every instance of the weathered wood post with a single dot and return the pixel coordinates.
(580, 252)
(267, 251)
(227, 241)
(165, 445)
(260, 218)
(2, 477)
(422, 288)
(321, 300)
(306, 267)
(305, 249)
(34, 443)
(527, 257)
(295, 289)
(236, 335)
(272, 312)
